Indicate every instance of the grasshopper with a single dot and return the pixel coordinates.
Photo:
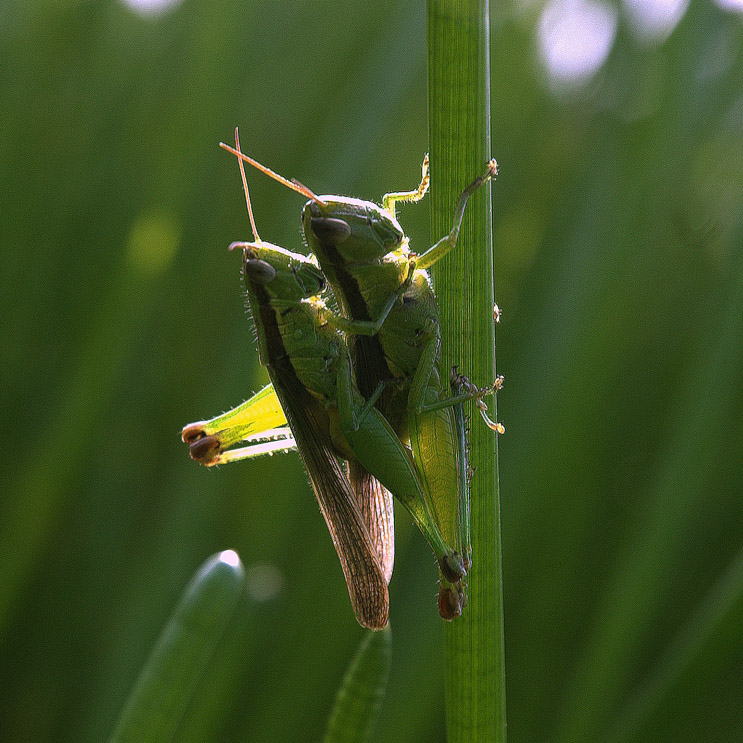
(282, 292)
(365, 256)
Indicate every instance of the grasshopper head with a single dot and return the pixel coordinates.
(345, 230)
(279, 272)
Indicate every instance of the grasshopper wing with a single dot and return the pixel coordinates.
(367, 586)
(375, 502)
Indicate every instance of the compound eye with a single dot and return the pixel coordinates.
(330, 230)
(259, 271)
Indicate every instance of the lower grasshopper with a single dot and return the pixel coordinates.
(282, 289)
(310, 425)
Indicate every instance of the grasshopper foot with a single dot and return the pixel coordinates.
(452, 567)
(461, 382)
(450, 606)
(452, 600)
(202, 448)
(206, 450)
(193, 431)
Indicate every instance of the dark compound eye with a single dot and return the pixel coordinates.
(330, 230)
(259, 271)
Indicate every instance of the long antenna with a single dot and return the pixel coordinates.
(245, 188)
(294, 184)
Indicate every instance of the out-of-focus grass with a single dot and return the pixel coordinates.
(618, 237)
(171, 675)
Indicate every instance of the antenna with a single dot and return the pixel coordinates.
(245, 188)
(294, 184)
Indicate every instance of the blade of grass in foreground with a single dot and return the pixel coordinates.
(459, 142)
(170, 676)
(360, 696)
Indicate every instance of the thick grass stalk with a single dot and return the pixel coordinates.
(459, 141)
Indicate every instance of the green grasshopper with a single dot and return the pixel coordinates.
(365, 256)
(282, 289)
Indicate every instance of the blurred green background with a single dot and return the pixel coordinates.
(619, 268)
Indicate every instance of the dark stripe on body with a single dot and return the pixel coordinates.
(370, 364)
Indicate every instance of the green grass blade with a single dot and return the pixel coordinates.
(360, 696)
(657, 545)
(459, 140)
(172, 672)
(41, 494)
(708, 639)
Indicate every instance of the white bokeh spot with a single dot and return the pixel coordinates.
(735, 6)
(150, 7)
(264, 582)
(654, 20)
(575, 38)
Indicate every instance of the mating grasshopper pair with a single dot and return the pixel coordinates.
(355, 384)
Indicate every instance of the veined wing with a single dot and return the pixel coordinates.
(367, 586)
(375, 503)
